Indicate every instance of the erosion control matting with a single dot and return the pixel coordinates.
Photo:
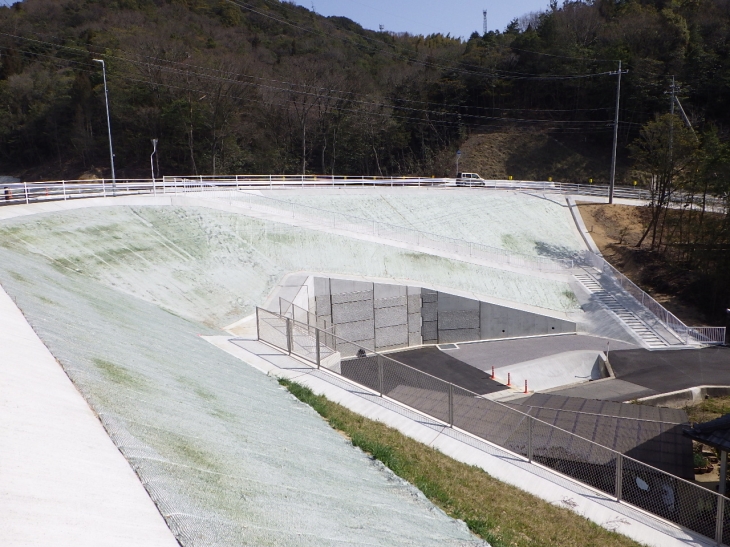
(667, 371)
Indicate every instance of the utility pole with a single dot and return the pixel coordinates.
(615, 137)
(671, 122)
(485, 21)
(108, 126)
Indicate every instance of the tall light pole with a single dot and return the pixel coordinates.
(152, 165)
(109, 126)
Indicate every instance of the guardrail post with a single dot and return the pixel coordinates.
(619, 475)
(316, 343)
(380, 375)
(720, 519)
(288, 336)
(258, 330)
(529, 438)
(25, 187)
(63, 184)
(451, 405)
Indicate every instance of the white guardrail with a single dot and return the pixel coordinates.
(38, 192)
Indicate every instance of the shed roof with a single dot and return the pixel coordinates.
(714, 433)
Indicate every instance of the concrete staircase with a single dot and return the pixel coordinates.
(636, 324)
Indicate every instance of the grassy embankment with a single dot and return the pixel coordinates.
(499, 513)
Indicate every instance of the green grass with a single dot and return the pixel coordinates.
(501, 514)
(709, 409)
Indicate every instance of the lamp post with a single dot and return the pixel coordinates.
(109, 126)
(152, 165)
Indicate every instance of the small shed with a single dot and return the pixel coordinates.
(715, 433)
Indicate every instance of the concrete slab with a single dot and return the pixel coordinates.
(609, 389)
(64, 483)
(507, 467)
(501, 353)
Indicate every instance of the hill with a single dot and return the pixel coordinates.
(261, 86)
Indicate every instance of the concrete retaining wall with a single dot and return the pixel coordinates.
(380, 316)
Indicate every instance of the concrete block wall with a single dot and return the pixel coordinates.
(380, 316)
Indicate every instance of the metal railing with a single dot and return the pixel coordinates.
(686, 334)
(614, 474)
(27, 192)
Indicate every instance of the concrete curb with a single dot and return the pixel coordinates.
(581, 226)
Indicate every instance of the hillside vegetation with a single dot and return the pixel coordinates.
(266, 86)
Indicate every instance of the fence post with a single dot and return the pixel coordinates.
(288, 336)
(451, 405)
(619, 475)
(316, 343)
(380, 374)
(720, 519)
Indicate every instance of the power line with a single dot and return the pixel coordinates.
(428, 121)
(309, 93)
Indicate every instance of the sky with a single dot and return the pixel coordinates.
(455, 17)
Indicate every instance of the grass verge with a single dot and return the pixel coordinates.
(501, 514)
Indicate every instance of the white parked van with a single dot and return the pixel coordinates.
(469, 179)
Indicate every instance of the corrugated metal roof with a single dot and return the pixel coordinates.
(607, 408)
(647, 434)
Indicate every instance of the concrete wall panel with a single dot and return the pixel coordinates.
(342, 286)
(388, 317)
(450, 320)
(429, 331)
(356, 331)
(414, 322)
(322, 305)
(390, 302)
(352, 311)
(429, 295)
(391, 336)
(450, 302)
(429, 311)
(344, 298)
(458, 335)
(382, 291)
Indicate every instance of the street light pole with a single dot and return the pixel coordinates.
(152, 165)
(109, 126)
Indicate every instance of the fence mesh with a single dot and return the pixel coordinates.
(557, 448)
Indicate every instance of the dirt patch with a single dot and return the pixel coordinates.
(528, 155)
(616, 230)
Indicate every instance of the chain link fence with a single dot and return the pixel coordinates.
(608, 471)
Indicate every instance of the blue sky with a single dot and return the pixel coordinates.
(456, 17)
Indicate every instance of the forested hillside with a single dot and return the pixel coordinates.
(258, 86)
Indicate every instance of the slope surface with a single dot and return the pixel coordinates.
(520, 222)
(227, 455)
(215, 267)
